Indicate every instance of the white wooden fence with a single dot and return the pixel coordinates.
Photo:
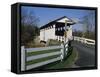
(84, 40)
(25, 58)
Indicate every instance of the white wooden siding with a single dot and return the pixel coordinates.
(48, 34)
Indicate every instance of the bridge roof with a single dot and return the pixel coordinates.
(59, 20)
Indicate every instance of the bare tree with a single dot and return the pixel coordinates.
(29, 27)
(88, 22)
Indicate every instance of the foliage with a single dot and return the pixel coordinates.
(88, 34)
(29, 27)
(28, 34)
(77, 33)
(88, 26)
(52, 42)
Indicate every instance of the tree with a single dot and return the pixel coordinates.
(77, 33)
(88, 22)
(29, 27)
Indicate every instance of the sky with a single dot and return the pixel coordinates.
(46, 15)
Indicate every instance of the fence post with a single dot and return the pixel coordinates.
(85, 41)
(62, 52)
(66, 48)
(22, 58)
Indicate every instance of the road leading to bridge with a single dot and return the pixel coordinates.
(86, 54)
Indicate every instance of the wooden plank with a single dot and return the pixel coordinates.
(42, 63)
(43, 55)
(22, 58)
(42, 48)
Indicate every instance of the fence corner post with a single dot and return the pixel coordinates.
(23, 58)
(62, 52)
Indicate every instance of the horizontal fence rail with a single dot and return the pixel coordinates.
(36, 57)
(42, 63)
(43, 55)
(42, 48)
(84, 40)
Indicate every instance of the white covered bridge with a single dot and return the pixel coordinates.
(56, 29)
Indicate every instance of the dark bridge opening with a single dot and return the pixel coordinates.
(60, 28)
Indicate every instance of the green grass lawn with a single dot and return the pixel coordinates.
(52, 42)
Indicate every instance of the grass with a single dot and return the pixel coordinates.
(42, 52)
(52, 42)
(41, 60)
(67, 63)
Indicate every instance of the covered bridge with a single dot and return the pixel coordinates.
(56, 29)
